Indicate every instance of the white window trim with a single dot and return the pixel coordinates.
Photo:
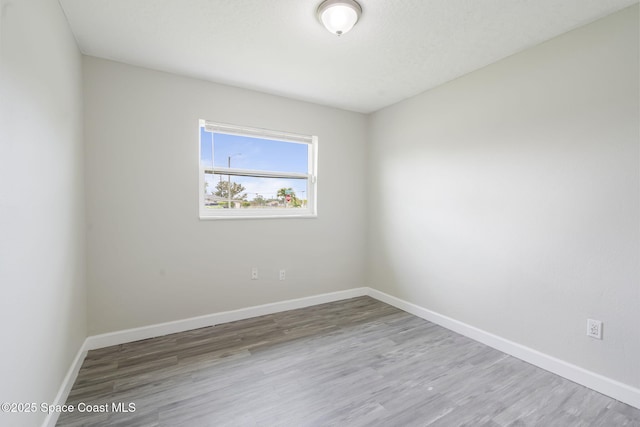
(311, 211)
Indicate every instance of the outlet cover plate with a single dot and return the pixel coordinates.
(594, 328)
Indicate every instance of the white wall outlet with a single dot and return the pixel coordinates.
(283, 274)
(594, 329)
(254, 273)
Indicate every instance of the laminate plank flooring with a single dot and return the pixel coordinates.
(356, 362)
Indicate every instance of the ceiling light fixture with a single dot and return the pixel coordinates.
(339, 16)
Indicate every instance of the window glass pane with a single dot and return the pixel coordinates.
(248, 192)
(244, 152)
(206, 154)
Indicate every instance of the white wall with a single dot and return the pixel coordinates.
(150, 259)
(42, 266)
(508, 199)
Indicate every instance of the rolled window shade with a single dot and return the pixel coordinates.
(257, 133)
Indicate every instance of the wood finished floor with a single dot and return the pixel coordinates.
(357, 362)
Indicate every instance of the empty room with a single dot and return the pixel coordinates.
(319, 213)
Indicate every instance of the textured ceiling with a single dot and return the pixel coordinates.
(398, 49)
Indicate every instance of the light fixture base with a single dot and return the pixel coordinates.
(339, 16)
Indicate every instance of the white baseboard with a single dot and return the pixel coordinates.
(607, 386)
(597, 382)
(144, 332)
(65, 387)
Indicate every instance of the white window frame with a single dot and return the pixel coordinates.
(310, 211)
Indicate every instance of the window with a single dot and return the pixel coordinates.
(254, 173)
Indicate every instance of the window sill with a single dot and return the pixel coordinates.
(301, 216)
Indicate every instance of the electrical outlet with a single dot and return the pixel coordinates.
(283, 274)
(594, 329)
(254, 273)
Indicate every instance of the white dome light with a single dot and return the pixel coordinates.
(339, 16)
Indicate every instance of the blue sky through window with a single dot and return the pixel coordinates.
(253, 153)
(257, 154)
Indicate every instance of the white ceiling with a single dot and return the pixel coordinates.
(398, 49)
